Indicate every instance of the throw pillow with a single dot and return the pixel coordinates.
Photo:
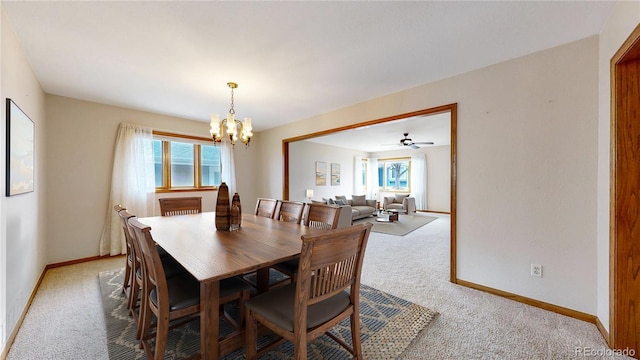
(341, 197)
(359, 200)
(389, 199)
(318, 202)
(340, 202)
(326, 200)
(400, 197)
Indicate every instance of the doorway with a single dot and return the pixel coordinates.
(451, 109)
(624, 282)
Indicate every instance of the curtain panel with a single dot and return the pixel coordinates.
(132, 183)
(419, 180)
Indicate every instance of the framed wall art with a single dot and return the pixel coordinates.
(20, 151)
(335, 174)
(321, 173)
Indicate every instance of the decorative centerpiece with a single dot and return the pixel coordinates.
(235, 202)
(223, 210)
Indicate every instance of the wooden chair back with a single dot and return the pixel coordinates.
(330, 262)
(289, 211)
(266, 207)
(128, 272)
(180, 206)
(321, 216)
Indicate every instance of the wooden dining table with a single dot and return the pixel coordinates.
(211, 255)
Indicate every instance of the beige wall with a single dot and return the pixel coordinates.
(22, 220)
(624, 18)
(527, 160)
(79, 163)
(302, 158)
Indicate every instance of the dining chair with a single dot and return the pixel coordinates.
(319, 216)
(180, 206)
(128, 278)
(266, 207)
(174, 301)
(171, 268)
(330, 263)
(289, 211)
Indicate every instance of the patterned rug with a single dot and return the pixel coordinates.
(388, 326)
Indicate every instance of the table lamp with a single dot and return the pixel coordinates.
(309, 194)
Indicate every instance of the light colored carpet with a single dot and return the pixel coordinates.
(404, 225)
(382, 316)
(65, 320)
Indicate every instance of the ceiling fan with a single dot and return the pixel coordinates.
(406, 141)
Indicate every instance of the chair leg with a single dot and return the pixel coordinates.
(300, 345)
(145, 316)
(355, 335)
(127, 277)
(134, 294)
(162, 332)
(250, 337)
(244, 297)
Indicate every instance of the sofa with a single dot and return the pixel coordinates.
(360, 207)
(400, 202)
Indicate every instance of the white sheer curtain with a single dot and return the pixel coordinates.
(372, 178)
(358, 186)
(419, 180)
(228, 168)
(132, 182)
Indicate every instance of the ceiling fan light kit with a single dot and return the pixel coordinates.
(406, 141)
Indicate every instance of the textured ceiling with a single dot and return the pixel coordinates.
(292, 60)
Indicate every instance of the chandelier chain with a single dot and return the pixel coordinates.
(232, 110)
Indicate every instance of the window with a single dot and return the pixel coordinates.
(393, 174)
(185, 163)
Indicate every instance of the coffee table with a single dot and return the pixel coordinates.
(394, 215)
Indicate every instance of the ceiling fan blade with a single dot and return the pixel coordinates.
(414, 146)
(424, 142)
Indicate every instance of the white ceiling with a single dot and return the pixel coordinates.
(292, 60)
(386, 136)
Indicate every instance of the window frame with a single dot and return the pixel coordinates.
(197, 141)
(384, 162)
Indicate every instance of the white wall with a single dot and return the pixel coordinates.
(624, 18)
(302, 158)
(22, 220)
(79, 163)
(527, 164)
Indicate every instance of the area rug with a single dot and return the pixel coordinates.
(388, 326)
(405, 225)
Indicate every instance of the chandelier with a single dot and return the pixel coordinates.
(235, 129)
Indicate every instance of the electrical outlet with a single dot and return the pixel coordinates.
(536, 270)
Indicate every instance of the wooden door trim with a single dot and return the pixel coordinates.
(629, 51)
(451, 108)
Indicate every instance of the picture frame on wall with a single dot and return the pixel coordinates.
(20, 150)
(335, 174)
(321, 173)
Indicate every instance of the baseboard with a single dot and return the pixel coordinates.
(603, 331)
(77, 261)
(14, 332)
(537, 303)
(435, 211)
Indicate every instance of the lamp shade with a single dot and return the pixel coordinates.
(309, 193)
